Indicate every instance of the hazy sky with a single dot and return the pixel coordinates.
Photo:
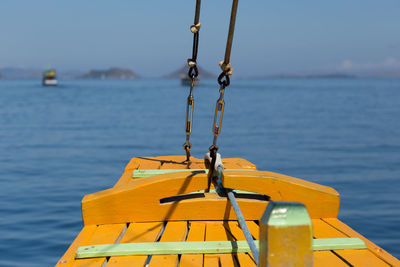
(153, 37)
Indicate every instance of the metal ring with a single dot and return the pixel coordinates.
(225, 82)
(195, 74)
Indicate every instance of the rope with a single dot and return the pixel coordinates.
(239, 215)
(231, 32)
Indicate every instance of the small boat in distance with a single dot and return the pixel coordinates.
(49, 78)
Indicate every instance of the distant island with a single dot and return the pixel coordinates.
(311, 76)
(121, 73)
(183, 72)
(112, 73)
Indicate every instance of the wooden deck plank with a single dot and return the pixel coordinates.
(196, 233)
(104, 234)
(174, 231)
(149, 163)
(127, 175)
(356, 257)
(254, 229)
(379, 252)
(327, 259)
(229, 163)
(238, 163)
(215, 231)
(137, 232)
(69, 257)
(244, 259)
(176, 162)
(323, 230)
(196, 163)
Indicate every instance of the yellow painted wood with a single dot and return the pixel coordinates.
(277, 186)
(320, 201)
(158, 162)
(125, 178)
(178, 162)
(133, 164)
(244, 259)
(327, 259)
(150, 162)
(137, 232)
(138, 201)
(254, 229)
(356, 257)
(285, 236)
(215, 231)
(238, 163)
(323, 230)
(378, 251)
(196, 233)
(175, 162)
(174, 231)
(69, 257)
(104, 234)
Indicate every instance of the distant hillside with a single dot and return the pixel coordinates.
(1, 76)
(184, 71)
(310, 76)
(112, 73)
(382, 74)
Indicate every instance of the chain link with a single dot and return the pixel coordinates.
(219, 114)
(189, 118)
(217, 124)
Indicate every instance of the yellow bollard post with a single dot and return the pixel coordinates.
(285, 236)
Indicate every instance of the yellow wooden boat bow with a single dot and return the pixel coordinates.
(159, 214)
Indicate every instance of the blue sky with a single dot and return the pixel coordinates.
(153, 37)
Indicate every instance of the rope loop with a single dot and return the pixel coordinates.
(187, 146)
(191, 63)
(226, 67)
(195, 28)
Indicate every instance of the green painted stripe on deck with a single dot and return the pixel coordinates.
(200, 247)
(338, 243)
(153, 172)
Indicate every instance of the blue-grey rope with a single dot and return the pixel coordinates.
(241, 220)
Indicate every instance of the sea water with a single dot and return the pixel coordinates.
(58, 144)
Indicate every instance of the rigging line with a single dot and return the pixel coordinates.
(239, 215)
(192, 73)
(223, 81)
(197, 14)
(231, 32)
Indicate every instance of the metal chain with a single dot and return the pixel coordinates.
(223, 81)
(193, 73)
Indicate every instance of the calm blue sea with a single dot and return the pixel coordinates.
(58, 144)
